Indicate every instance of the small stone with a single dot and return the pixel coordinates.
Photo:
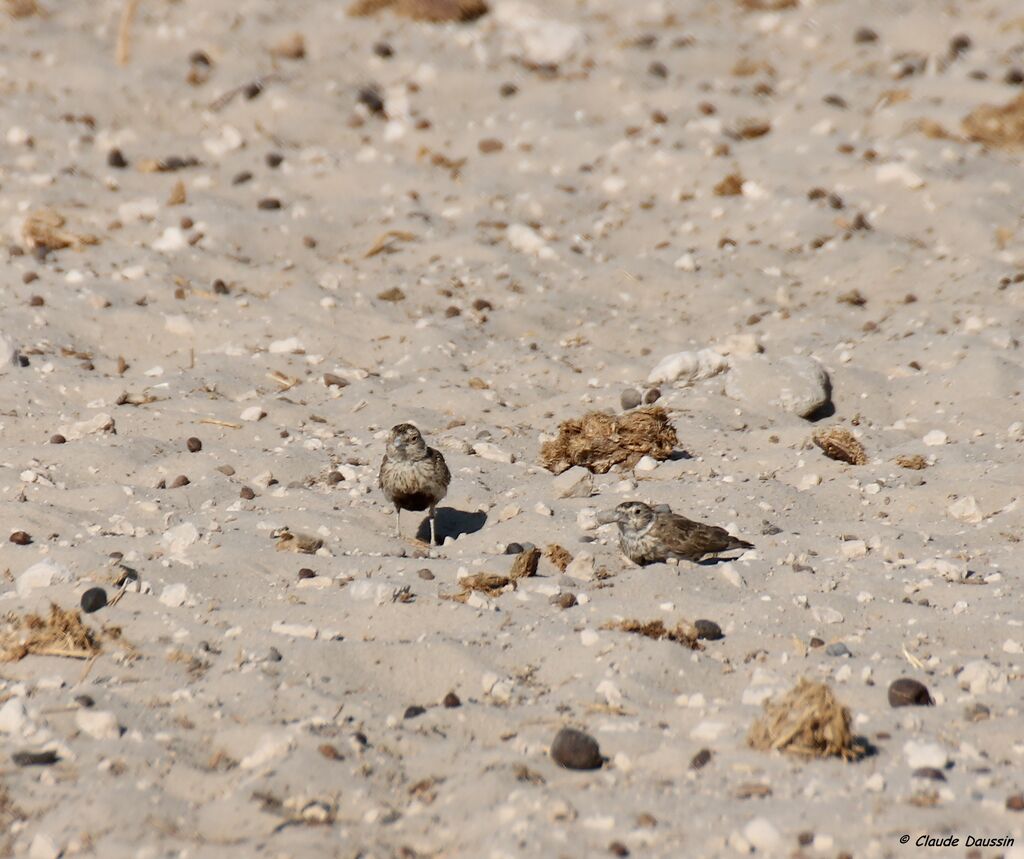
(178, 482)
(413, 711)
(226, 470)
(921, 754)
(935, 438)
(269, 204)
(451, 700)
(330, 752)
(116, 159)
(194, 445)
(701, 759)
(576, 750)
(274, 655)
(837, 648)
(20, 538)
(332, 380)
(977, 712)
(865, 36)
(43, 847)
(492, 452)
(763, 835)
(307, 573)
(966, 509)
(1015, 802)
(906, 692)
(175, 595)
(564, 601)
(425, 574)
(630, 399)
(274, 159)
(575, 482)
(929, 773)
(581, 567)
(796, 383)
(514, 549)
(40, 576)
(253, 413)
(708, 630)
(93, 600)
(35, 759)
(617, 848)
(85, 701)
(57, 438)
(246, 493)
(651, 396)
(98, 724)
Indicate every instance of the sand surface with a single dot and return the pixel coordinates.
(486, 261)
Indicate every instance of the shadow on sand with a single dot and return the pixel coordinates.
(452, 523)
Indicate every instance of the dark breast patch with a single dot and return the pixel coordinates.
(413, 500)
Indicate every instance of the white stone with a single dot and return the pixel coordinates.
(875, 783)
(492, 452)
(101, 423)
(575, 482)
(542, 509)
(537, 40)
(586, 519)
(763, 835)
(14, 717)
(1011, 646)
(179, 324)
(271, 746)
(588, 638)
(951, 571)
(581, 567)
(528, 241)
(289, 344)
(43, 847)
(174, 595)
(729, 572)
(40, 576)
(171, 239)
(8, 353)
(897, 171)
(253, 413)
(708, 731)
(610, 692)
(979, 677)
(686, 263)
(685, 368)
(796, 384)
(646, 464)
(854, 549)
(98, 724)
(295, 630)
(809, 481)
(935, 438)
(178, 539)
(966, 509)
(924, 754)
(824, 614)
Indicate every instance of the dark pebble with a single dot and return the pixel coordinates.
(274, 159)
(332, 380)
(246, 493)
(194, 445)
(929, 773)
(657, 70)
(35, 759)
(414, 711)
(370, 98)
(451, 700)
(701, 759)
(253, 90)
(816, 642)
(617, 848)
(575, 750)
(630, 398)
(805, 838)
(507, 90)
(865, 35)
(36, 301)
(959, 44)
(21, 538)
(905, 692)
(425, 574)
(31, 277)
(837, 648)
(116, 159)
(306, 573)
(334, 478)
(226, 470)
(274, 655)
(331, 752)
(1015, 802)
(564, 601)
(93, 600)
(708, 630)
(1014, 77)
(85, 701)
(651, 395)
(221, 288)
(269, 204)
(383, 50)
(241, 178)
(57, 438)
(514, 549)
(179, 481)
(199, 58)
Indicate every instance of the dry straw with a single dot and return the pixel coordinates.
(807, 721)
(597, 441)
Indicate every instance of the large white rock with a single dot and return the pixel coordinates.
(795, 384)
(685, 368)
(575, 482)
(40, 576)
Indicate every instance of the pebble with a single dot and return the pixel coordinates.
(492, 452)
(966, 509)
(57, 438)
(175, 595)
(413, 711)
(253, 413)
(576, 750)
(40, 576)
(563, 601)
(907, 692)
(979, 677)
(685, 368)
(295, 630)
(824, 614)
(101, 423)
(701, 759)
(763, 835)
(178, 482)
(796, 384)
(837, 648)
(581, 567)
(575, 482)
(13, 717)
(21, 538)
(451, 700)
(708, 630)
(923, 754)
(935, 438)
(194, 445)
(93, 600)
(630, 398)
(43, 847)
(1015, 802)
(98, 724)
(35, 759)
(729, 572)
(246, 493)
(535, 40)
(651, 396)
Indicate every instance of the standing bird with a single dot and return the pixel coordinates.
(651, 535)
(413, 475)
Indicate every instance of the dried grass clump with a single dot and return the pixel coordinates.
(841, 444)
(525, 564)
(683, 633)
(767, 5)
(807, 721)
(488, 584)
(42, 229)
(62, 633)
(434, 11)
(914, 463)
(598, 441)
(289, 541)
(559, 556)
(730, 186)
(1000, 126)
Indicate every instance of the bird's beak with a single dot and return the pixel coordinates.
(607, 517)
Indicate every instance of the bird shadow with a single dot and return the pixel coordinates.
(717, 559)
(452, 523)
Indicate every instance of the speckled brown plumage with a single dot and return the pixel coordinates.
(413, 476)
(649, 536)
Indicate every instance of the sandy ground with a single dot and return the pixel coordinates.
(553, 241)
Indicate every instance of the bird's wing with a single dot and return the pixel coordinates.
(442, 467)
(380, 474)
(686, 537)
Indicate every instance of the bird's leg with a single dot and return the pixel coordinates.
(433, 528)
(398, 522)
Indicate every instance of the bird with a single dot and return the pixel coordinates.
(650, 535)
(413, 476)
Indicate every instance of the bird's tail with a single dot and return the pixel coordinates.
(737, 543)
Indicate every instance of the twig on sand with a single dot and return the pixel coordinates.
(124, 32)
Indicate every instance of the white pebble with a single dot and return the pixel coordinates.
(295, 630)
(492, 452)
(175, 595)
(923, 754)
(935, 438)
(98, 724)
(253, 413)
